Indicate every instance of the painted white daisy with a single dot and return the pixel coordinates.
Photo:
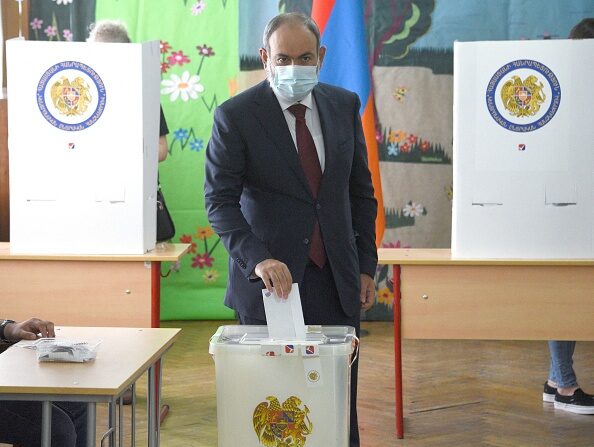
(187, 86)
(412, 209)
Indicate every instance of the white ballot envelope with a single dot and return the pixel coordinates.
(284, 316)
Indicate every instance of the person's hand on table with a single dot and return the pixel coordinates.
(30, 329)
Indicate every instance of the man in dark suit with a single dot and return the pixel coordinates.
(288, 189)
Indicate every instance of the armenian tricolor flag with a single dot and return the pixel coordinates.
(346, 64)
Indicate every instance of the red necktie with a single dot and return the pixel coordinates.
(308, 156)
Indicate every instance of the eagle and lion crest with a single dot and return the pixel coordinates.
(523, 99)
(285, 425)
(71, 98)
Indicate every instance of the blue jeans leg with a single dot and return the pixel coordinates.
(561, 370)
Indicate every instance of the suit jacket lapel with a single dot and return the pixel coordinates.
(275, 125)
(326, 111)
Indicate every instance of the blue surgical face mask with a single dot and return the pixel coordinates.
(294, 82)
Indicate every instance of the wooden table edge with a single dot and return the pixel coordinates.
(171, 253)
(438, 256)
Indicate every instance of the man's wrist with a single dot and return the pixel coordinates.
(3, 325)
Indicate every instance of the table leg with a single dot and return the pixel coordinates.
(121, 421)
(91, 423)
(156, 322)
(158, 408)
(133, 417)
(155, 293)
(152, 408)
(398, 353)
(111, 420)
(46, 423)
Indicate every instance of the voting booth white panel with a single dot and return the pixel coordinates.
(83, 124)
(265, 392)
(523, 149)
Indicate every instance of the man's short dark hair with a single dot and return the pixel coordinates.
(583, 30)
(289, 17)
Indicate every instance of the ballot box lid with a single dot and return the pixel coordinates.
(319, 341)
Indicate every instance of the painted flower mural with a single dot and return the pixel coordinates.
(182, 87)
(36, 23)
(402, 147)
(198, 7)
(51, 31)
(202, 260)
(202, 247)
(405, 216)
(412, 209)
(210, 275)
(183, 137)
(385, 296)
(186, 86)
(178, 57)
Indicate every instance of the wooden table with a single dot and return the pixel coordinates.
(22, 377)
(85, 290)
(440, 297)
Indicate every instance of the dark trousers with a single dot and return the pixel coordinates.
(321, 305)
(20, 423)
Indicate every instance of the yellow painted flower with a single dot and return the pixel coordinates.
(384, 296)
(204, 233)
(210, 275)
(396, 136)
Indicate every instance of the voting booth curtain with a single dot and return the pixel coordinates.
(209, 53)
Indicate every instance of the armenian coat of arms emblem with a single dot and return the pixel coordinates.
(523, 95)
(285, 425)
(523, 98)
(71, 96)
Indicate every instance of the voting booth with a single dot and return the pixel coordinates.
(523, 149)
(83, 127)
(292, 393)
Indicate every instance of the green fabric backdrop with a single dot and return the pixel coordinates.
(198, 38)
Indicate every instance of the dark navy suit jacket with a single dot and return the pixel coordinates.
(260, 205)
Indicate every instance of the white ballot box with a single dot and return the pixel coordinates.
(273, 392)
(523, 149)
(83, 131)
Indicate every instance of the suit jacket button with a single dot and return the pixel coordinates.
(318, 206)
(306, 241)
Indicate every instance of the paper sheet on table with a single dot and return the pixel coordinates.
(284, 316)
